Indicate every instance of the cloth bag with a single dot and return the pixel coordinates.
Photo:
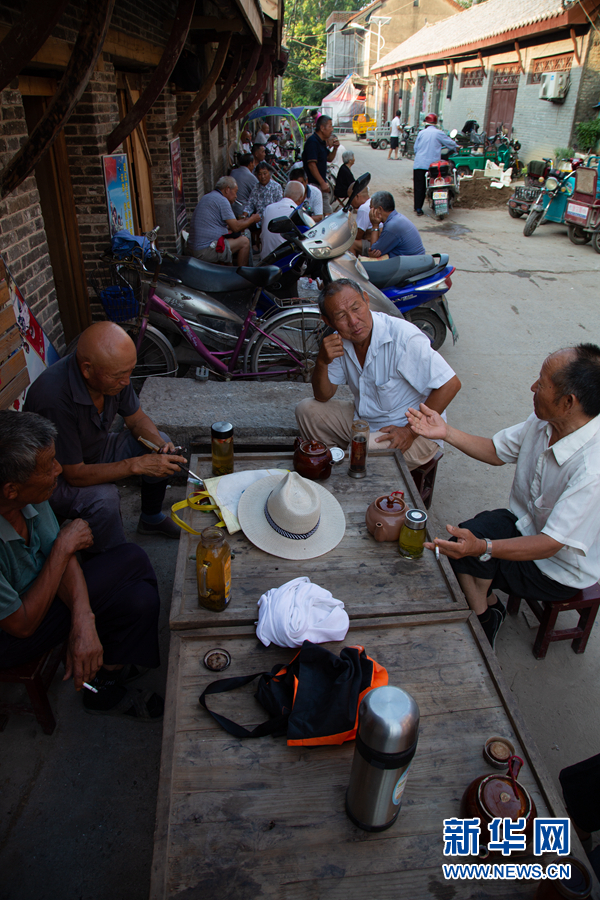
(299, 611)
(314, 699)
(222, 495)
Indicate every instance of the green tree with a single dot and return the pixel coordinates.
(306, 40)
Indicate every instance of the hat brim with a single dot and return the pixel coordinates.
(251, 516)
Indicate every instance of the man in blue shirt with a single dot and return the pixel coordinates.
(428, 148)
(215, 232)
(399, 236)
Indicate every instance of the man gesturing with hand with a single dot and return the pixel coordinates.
(546, 545)
(387, 363)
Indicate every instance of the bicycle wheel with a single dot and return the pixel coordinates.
(155, 357)
(301, 334)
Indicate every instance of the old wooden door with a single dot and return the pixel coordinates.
(502, 110)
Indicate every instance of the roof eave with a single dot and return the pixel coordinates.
(573, 16)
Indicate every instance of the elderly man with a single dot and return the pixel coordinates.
(107, 609)
(399, 237)
(428, 147)
(262, 135)
(316, 155)
(245, 179)
(82, 394)
(313, 204)
(259, 153)
(214, 226)
(292, 198)
(366, 232)
(345, 179)
(546, 545)
(265, 192)
(386, 362)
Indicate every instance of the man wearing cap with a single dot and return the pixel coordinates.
(385, 361)
(428, 148)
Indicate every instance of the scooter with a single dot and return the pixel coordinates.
(412, 287)
(441, 187)
(538, 171)
(551, 202)
(582, 214)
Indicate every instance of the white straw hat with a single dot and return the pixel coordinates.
(288, 516)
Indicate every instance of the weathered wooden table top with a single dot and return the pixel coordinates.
(371, 578)
(256, 818)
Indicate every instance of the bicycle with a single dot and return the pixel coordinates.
(283, 343)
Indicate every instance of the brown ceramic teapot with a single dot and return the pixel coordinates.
(499, 796)
(312, 460)
(385, 516)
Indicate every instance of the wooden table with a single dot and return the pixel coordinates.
(256, 818)
(370, 578)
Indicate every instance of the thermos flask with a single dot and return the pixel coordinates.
(386, 740)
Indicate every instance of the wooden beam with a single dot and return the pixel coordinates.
(215, 23)
(518, 52)
(82, 63)
(11, 391)
(31, 86)
(211, 80)
(161, 75)
(231, 76)
(253, 17)
(239, 87)
(480, 58)
(261, 81)
(138, 128)
(576, 51)
(27, 36)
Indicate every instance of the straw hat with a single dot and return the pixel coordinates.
(278, 508)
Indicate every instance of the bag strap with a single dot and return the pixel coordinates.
(196, 501)
(229, 684)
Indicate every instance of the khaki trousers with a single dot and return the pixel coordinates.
(331, 423)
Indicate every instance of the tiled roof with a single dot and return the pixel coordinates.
(485, 20)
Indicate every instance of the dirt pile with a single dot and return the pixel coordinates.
(477, 193)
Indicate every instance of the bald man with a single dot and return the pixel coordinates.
(82, 394)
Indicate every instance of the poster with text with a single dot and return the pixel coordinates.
(118, 193)
(180, 213)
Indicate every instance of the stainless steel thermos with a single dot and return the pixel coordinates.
(386, 740)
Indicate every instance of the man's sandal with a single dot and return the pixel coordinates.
(144, 706)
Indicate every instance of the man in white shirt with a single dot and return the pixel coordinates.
(262, 135)
(386, 362)
(292, 198)
(366, 231)
(395, 134)
(546, 545)
(314, 197)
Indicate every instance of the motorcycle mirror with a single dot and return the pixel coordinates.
(283, 225)
(453, 133)
(306, 219)
(359, 185)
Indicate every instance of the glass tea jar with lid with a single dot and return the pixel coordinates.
(359, 448)
(412, 534)
(213, 570)
(221, 448)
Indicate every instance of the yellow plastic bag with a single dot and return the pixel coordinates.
(197, 501)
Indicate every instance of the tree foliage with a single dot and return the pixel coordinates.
(306, 40)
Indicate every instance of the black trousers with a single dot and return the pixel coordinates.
(124, 598)
(419, 187)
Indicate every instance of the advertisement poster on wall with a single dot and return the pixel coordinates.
(118, 193)
(180, 213)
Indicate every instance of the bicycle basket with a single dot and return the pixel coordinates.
(119, 290)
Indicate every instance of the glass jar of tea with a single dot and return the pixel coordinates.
(412, 534)
(213, 569)
(359, 447)
(221, 448)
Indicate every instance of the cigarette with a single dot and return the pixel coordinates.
(437, 552)
(90, 687)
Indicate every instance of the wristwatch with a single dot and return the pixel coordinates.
(488, 551)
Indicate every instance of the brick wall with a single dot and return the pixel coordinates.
(22, 235)
(589, 88)
(159, 124)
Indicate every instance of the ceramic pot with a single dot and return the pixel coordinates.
(385, 516)
(312, 460)
(494, 796)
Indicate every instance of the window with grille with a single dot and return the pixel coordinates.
(506, 75)
(539, 67)
(472, 77)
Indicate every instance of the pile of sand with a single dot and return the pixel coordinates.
(477, 193)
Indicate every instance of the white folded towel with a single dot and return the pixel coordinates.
(300, 611)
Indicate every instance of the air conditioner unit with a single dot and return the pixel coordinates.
(554, 86)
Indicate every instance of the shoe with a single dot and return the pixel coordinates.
(419, 212)
(130, 673)
(166, 528)
(145, 706)
(498, 605)
(492, 624)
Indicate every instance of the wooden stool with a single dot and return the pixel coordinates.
(36, 676)
(587, 601)
(424, 478)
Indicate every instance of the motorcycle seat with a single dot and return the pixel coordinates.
(210, 277)
(261, 276)
(389, 273)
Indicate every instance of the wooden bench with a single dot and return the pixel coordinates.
(586, 601)
(14, 377)
(36, 676)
